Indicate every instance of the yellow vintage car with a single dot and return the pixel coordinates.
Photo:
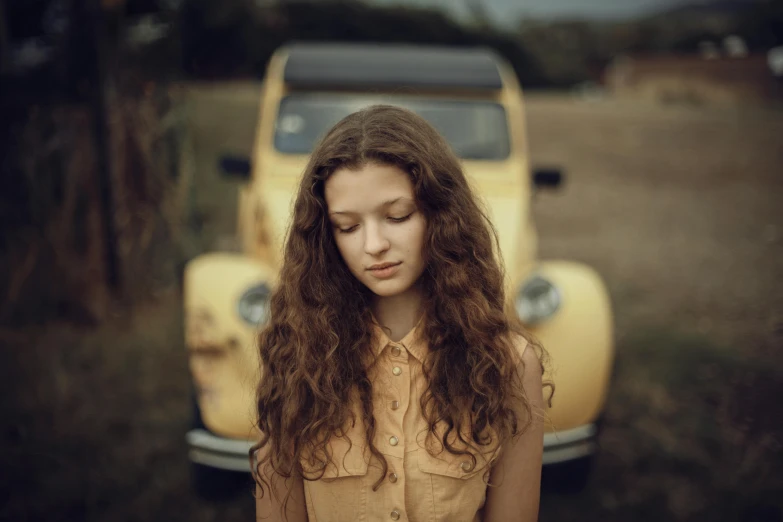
(473, 98)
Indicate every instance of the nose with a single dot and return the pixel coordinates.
(375, 241)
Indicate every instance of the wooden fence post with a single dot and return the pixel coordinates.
(101, 84)
(4, 39)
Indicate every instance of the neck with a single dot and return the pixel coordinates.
(399, 313)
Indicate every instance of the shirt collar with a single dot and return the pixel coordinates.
(413, 341)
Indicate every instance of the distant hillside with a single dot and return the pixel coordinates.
(758, 22)
(572, 51)
(711, 8)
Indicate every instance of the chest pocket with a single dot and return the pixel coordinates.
(342, 490)
(458, 482)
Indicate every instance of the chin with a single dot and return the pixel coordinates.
(388, 288)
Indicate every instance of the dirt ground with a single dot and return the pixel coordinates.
(679, 209)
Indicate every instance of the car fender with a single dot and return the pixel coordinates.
(579, 340)
(222, 347)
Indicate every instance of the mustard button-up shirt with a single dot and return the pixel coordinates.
(423, 482)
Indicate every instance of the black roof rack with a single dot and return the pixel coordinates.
(391, 65)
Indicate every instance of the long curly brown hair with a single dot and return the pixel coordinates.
(316, 348)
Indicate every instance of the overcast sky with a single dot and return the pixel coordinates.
(509, 11)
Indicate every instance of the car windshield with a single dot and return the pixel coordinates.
(476, 130)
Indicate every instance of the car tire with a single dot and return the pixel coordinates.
(215, 484)
(218, 485)
(569, 477)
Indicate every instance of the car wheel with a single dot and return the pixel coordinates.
(567, 477)
(218, 485)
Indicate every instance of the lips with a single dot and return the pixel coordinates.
(381, 266)
(384, 270)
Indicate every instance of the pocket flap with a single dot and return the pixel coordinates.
(450, 465)
(433, 457)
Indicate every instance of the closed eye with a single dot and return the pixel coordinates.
(346, 230)
(400, 219)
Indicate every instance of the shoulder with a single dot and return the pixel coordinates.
(522, 349)
(527, 359)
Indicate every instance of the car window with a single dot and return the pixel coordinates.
(476, 130)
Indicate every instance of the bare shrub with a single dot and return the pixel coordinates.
(53, 254)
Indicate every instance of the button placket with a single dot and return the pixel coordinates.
(396, 368)
(398, 351)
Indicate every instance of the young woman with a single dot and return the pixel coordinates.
(395, 385)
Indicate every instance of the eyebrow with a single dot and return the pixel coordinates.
(382, 205)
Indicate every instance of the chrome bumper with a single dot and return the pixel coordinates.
(562, 446)
(231, 454)
(217, 452)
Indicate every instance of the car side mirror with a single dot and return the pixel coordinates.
(237, 167)
(547, 178)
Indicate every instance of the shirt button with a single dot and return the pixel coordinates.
(396, 351)
(467, 466)
(395, 405)
(396, 370)
(392, 477)
(394, 440)
(395, 515)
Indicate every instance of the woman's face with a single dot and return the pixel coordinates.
(378, 229)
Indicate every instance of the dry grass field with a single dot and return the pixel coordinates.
(680, 209)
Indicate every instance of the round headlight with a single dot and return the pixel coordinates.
(254, 305)
(537, 300)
